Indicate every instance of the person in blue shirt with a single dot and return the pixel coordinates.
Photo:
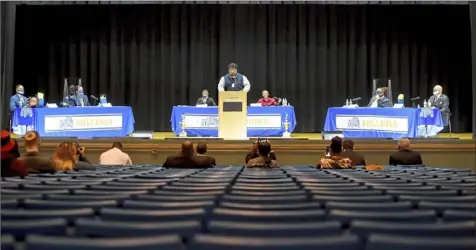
(18, 100)
(76, 97)
(234, 81)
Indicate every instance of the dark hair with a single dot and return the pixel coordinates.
(232, 66)
(72, 89)
(348, 144)
(336, 144)
(201, 148)
(264, 148)
(117, 144)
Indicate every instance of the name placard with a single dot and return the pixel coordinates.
(55, 123)
(193, 121)
(371, 122)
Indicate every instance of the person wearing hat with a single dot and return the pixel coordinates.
(234, 81)
(34, 161)
(11, 166)
(18, 100)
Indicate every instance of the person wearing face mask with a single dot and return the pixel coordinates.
(380, 100)
(205, 99)
(441, 102)
(79, 99)
(234, 81)
(18, 100)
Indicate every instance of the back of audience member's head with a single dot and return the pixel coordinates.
(117, 145)
(403, 144)
(201, 148)
(336, 145)
(65, 156)
(348, 145)
(264, 149)
(32, 141)
(187, 148)
(9, 147)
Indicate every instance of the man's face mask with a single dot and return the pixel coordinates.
(204, 94)
(379, 93)
(436, 92)
(20, 91)
(80, 92)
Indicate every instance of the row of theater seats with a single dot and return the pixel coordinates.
(229, 207)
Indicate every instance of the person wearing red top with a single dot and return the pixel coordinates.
(11, 166)
(266, 100)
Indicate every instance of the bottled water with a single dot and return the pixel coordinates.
(425, 104)
(347, 102)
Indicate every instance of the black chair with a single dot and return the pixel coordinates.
(98, 228)
(67, 214)
(171, 242)
(393, 242)
(365, 228)
(113, 214)
(21, 228)
(376, 207)
(271, 207)
(458, 215)
(416, 216)
(240, 215)
(214, 242)
(253, 229)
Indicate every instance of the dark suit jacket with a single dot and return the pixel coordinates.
(208, 102)
(356, 158)
(405, 157)
(74, 100)
(38, 164)
(209, 159)
(442, 103)
(381, 103)
(180, 161)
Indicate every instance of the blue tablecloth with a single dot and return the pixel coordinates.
(81, 122)
(262, 121)
(383, 122)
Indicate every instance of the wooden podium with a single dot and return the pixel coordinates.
(232, 115)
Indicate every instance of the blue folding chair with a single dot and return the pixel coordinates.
(216, 242)
(170, 242)
(20, 228)
(438, 193)
(393, 242)
(273, 229)
(152, 215)
(241, 215)
(269, 193)
(360, 199)
(99, 228)
(9, 204)
(459, 229)
(367, 192)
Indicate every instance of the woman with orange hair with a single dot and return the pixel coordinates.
(65, 156)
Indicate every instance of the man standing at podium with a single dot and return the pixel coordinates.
(234, 81)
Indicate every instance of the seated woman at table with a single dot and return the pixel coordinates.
(335, 160)
(266, 100)
(264, 159)
(66, 157)
(380, 100)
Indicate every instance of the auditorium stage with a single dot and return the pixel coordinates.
(300, 149)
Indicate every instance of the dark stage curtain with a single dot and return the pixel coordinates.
(472, 10)
(7, 43)
(153, 57)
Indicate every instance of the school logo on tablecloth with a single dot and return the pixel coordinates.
(66, 123)
(26, 112)
(354, 123)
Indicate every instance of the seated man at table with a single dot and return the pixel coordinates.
(405, 156)
(266, 100)
(187, 159)
(205, 99)
(76, 97)
(441, 102)
(380, 100)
